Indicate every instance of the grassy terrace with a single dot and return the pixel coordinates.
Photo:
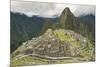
(31, 60)
(67, 37)
(61, 35)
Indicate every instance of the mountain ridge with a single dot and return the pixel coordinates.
(36, 26)
(64, 40)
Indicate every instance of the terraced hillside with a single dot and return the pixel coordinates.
(54, 46)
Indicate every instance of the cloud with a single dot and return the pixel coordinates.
(49, 9)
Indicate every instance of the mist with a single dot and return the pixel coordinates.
(49, 9)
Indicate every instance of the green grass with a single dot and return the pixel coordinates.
(29, 60)
(88, 52)
(76, 43)
(61, 35)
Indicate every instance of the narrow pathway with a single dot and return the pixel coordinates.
(44, 57)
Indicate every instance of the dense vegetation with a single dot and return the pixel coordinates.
(24, 28)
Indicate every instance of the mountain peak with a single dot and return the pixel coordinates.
(66, 18)
(67, 11)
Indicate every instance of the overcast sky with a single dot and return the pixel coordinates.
(49, 9)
